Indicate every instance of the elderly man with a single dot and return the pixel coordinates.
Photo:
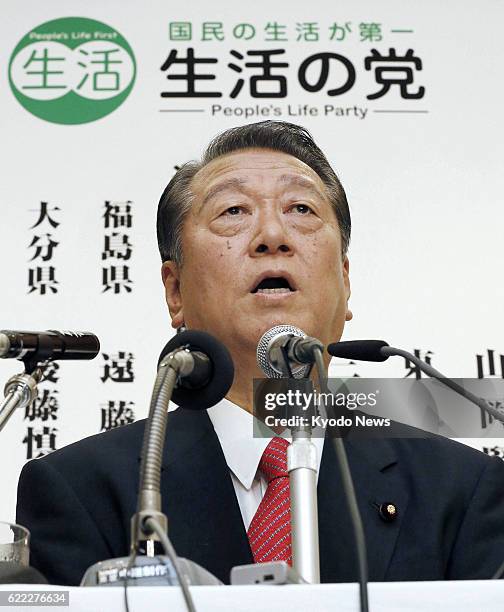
(253, 236)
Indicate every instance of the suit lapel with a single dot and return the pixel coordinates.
(204, 519)
(377, 480)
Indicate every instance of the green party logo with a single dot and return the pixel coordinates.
(72, 70)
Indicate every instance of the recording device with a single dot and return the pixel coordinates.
(286, 351)
(274, 572)
(51, 344)
(379, 350)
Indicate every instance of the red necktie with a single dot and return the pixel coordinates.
(269, 533)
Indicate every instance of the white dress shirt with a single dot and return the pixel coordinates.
(234, 428)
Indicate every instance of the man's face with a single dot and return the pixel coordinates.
(261, 247)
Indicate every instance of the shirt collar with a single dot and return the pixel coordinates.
(242, 451)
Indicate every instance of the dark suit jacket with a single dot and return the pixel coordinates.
(78, 502)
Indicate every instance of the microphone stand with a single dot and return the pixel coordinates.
(19, 391)
(149, 499)
(302, 468)
(149, 524)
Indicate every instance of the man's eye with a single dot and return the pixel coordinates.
(303, 209)
(233, 210)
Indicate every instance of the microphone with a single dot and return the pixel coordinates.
(34, 349)
(51, 344)
(196, 371)
(207, 372)
(379, 350)
(361, 350)
(285, 350)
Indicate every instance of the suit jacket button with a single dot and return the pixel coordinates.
(387, 511)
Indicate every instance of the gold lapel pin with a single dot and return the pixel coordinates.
(387, 511)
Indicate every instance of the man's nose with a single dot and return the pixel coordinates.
(271, 234)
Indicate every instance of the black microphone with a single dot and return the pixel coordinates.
(51, 344)
(379, 350)
(209, 372)
(361, 350)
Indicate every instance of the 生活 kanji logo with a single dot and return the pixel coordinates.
(72, 70)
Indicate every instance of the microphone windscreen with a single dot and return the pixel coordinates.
(222, 370)
(361, 350)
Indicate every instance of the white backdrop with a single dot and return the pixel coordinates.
(424, 180)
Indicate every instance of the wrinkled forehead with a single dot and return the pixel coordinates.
(256, 167)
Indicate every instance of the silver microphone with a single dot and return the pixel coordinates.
(289, 341)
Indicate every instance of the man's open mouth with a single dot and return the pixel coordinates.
(273, 285)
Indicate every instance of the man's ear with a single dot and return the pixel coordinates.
(171, 280)
(346, 282)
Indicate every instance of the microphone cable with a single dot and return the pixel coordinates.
(153, 524)
(349, 491)
(379, 350)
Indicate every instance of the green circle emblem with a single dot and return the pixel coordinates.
(72, 70)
